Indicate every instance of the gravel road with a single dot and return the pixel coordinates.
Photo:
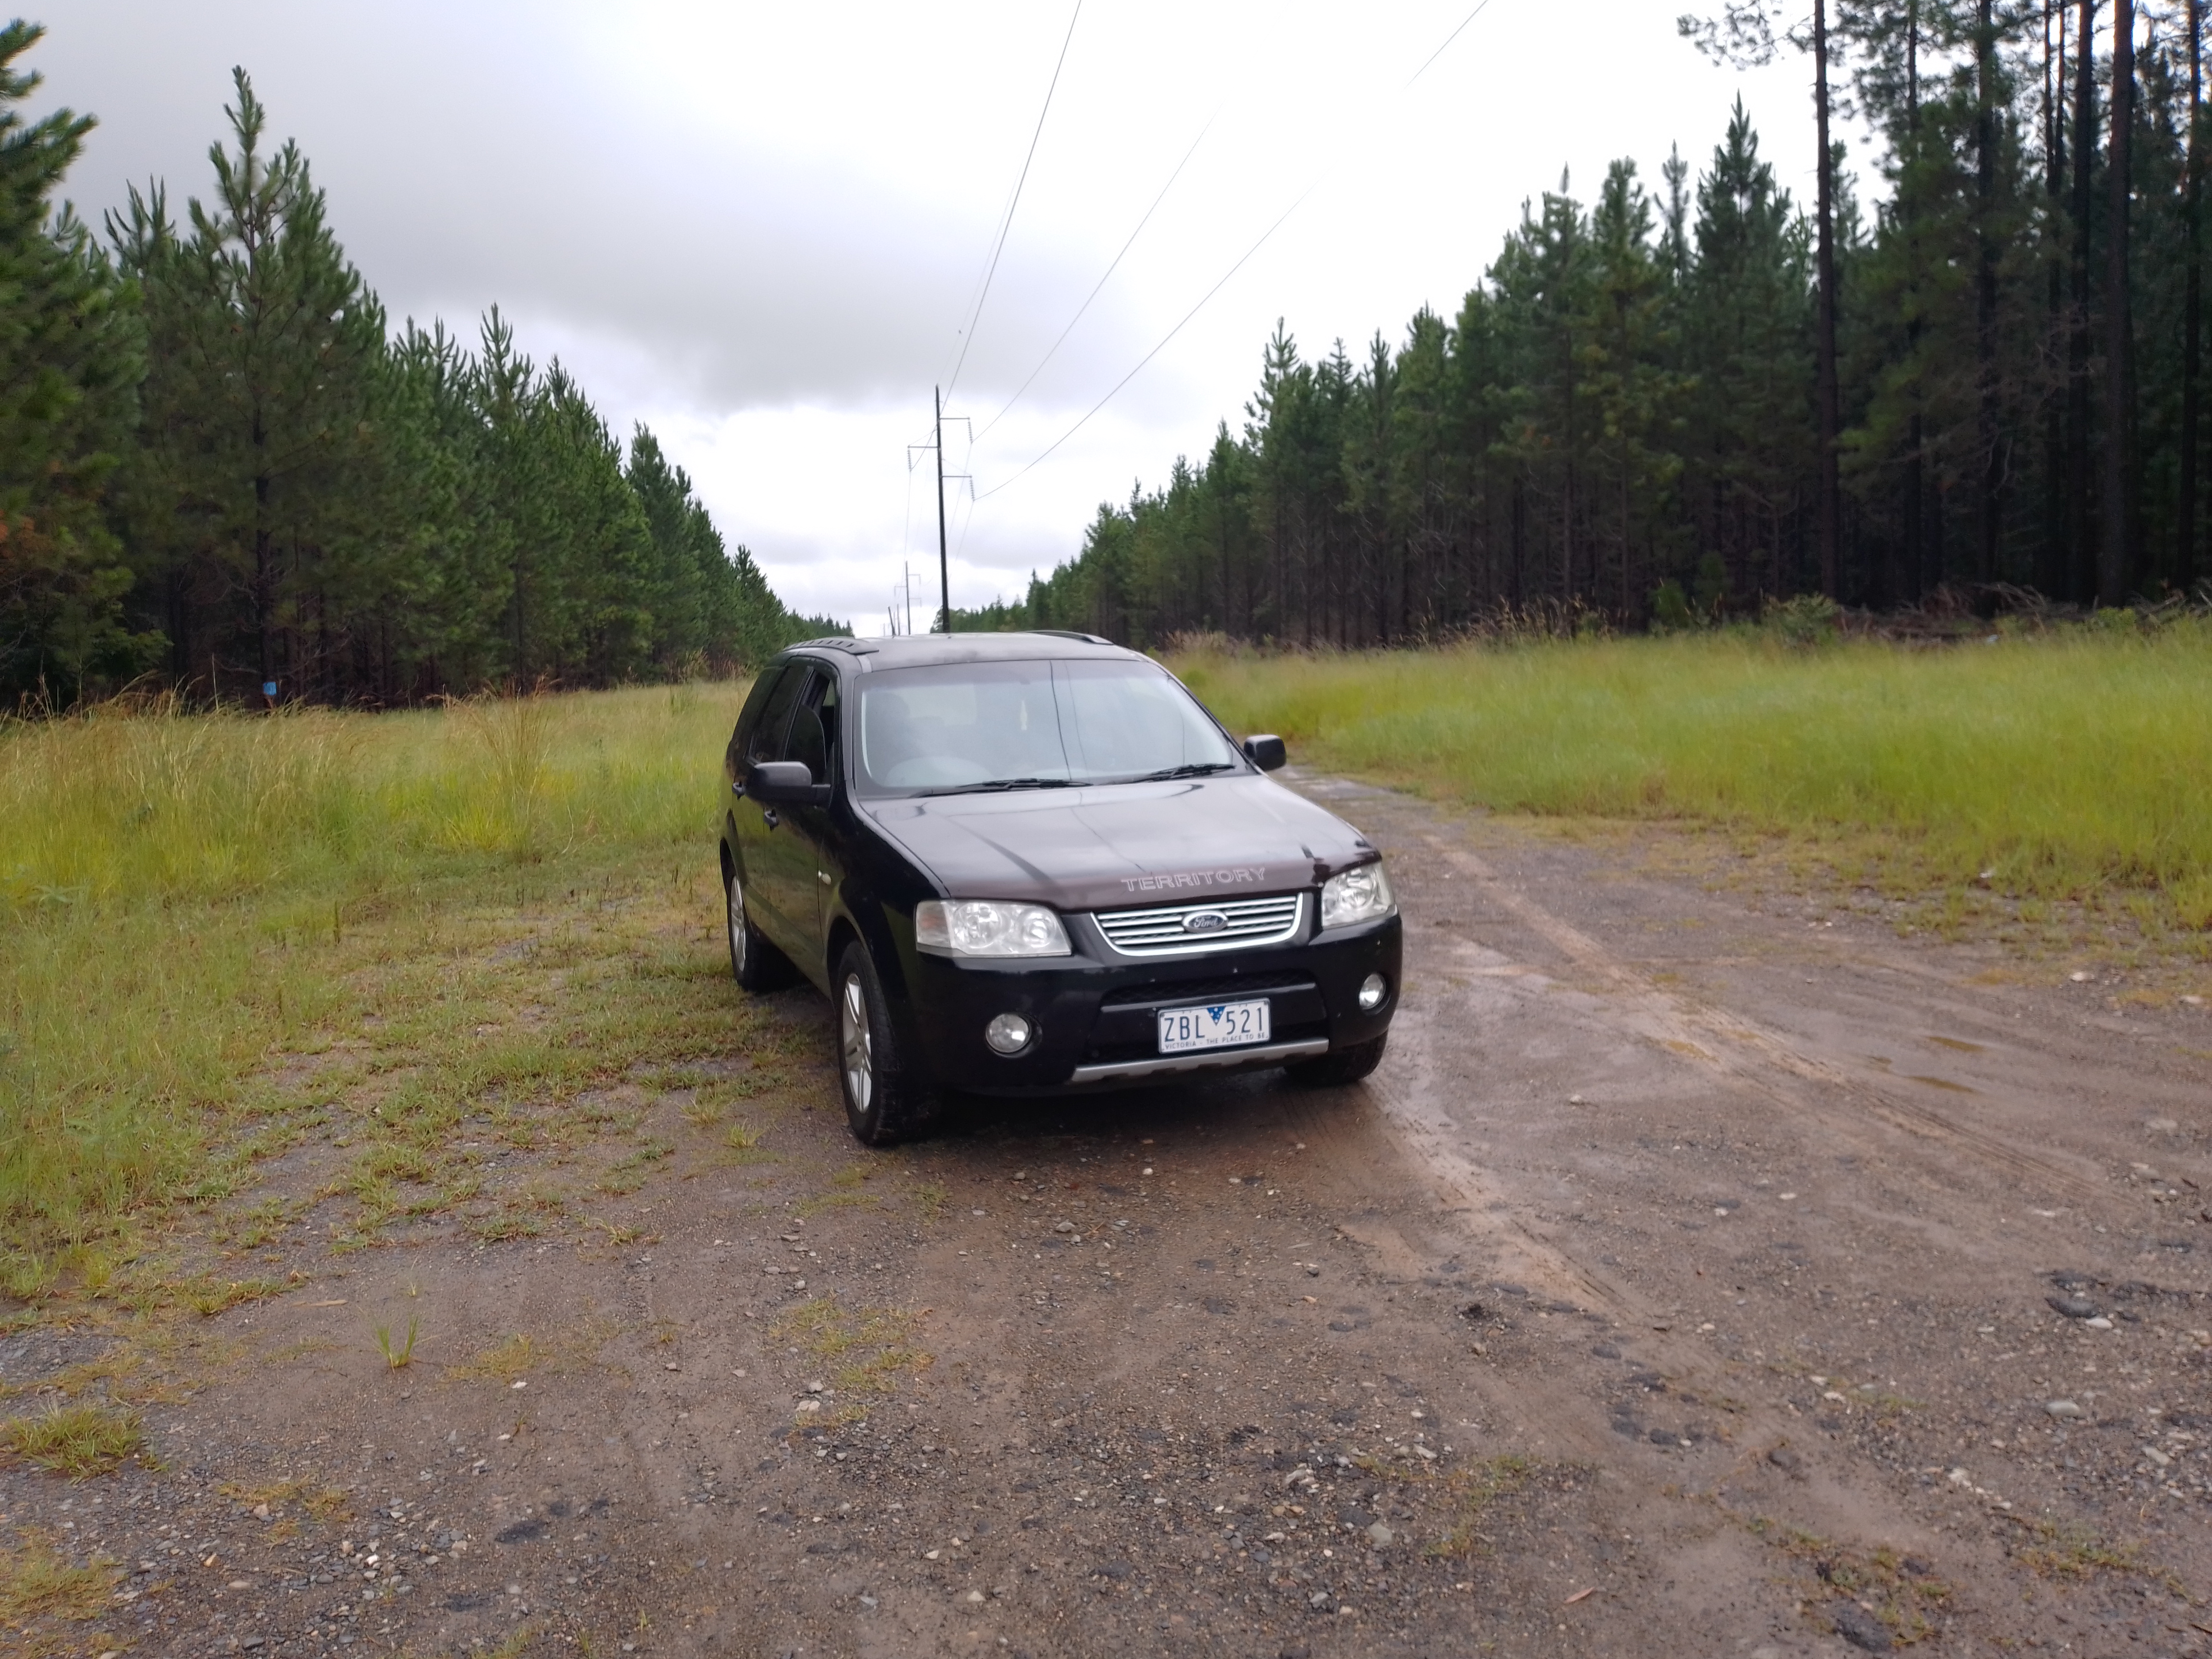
(1708, 1270)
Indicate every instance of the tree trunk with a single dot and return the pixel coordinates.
(179, 631)
(1228, 606)
(2115, 550)
(1567, 505)
(2051, 574)
(1830, 404)
(1520, 534)
(1985, 293)
(264, 574)
(1916, 488)
(2184, 552)
(2080, 545)
(1627, 573)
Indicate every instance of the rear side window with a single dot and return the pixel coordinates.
(763, 687)
(814, 727)
(765, 741)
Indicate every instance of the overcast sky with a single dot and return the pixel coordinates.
(761, 228)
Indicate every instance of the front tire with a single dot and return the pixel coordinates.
(756, 964)
(887, 1098)
(1339, 1065)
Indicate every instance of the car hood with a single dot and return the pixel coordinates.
(1124, 846)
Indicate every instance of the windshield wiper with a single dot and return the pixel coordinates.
(995, 784)
(1189, 769)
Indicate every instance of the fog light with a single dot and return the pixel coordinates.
(1372, 990)
(1008, 1033)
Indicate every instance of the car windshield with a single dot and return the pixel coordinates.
(975, 726)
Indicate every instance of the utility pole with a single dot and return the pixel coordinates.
(906, 587)
(944, 569)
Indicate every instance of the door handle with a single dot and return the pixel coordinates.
(768, 816)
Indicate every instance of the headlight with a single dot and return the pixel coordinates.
(987, 927)
(1361, 895)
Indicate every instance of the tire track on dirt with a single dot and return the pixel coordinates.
(1691, 1507)
(1747, 1053)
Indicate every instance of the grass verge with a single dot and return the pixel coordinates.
(200, 914)
(2045, 766)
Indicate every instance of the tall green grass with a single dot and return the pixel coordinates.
(176, 890)
(2069, 766)
(184, 897)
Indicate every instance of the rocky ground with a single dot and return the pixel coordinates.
(1707, 1270)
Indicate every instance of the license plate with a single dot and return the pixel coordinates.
(1217, 1026)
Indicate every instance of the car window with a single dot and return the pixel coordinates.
(935, 727)
(1115, 721)
(763, 687)
(823, 696)
(766, 741)
(1020, 724)
(812, 725)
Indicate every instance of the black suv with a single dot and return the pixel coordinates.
(1020, 863)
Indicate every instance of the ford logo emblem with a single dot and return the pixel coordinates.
(1205, 921)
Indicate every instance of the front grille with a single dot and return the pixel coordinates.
(1161, 932)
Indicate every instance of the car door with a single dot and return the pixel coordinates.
(799, 870)
(761, 840)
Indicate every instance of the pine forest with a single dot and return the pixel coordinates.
(223, 471)
(1971, 368)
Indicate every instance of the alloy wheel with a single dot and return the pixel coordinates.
(737, 907)
(856, 1045)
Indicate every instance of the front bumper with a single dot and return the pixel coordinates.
(1161, 1066)
(1095, 1015)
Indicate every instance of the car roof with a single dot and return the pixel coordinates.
(928, 650)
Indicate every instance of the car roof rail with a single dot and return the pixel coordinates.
(845, 642)
(1070, 633)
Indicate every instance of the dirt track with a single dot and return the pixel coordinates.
(1688, 1280)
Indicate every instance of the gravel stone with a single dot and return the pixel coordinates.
(1860, 1628)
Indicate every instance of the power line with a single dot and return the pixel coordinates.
(1110, 270)
(1006, 224)
(1163, 345)
(1481, 6)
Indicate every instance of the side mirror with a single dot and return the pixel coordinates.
(786, 783)
(1266, 752)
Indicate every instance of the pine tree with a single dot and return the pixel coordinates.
(258, 471)
(676, 594)
(1750, 472)
(71, 347)
(1745, 35)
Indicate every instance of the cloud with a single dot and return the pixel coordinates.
(475, 155)
(760, 227)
